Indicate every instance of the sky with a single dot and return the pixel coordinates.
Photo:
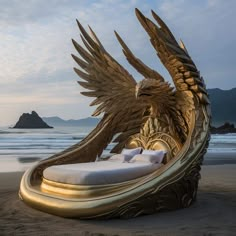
(36, 67)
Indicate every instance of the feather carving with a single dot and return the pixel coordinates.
(117, 94)
(127, 106)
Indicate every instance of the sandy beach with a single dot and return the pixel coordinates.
(214, 213)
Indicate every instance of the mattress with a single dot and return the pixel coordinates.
(98, 173)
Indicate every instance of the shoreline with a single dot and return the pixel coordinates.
(214, 212)
(219, 158)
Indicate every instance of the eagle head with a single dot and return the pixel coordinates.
(148, 89)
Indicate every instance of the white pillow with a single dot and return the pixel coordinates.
(143, 158)
(152, 156)
(131, 152)
(120, 158)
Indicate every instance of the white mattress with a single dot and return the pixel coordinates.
(96, 173)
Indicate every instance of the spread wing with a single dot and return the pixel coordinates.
(111, 85)
(143, 69)
(177, 61)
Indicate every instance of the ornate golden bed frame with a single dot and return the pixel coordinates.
(149, 114)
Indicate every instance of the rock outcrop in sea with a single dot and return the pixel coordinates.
(31, 121)
(224, 129)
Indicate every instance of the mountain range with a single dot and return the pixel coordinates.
(223, 106)
(57, 121)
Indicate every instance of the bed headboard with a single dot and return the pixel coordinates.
(155, 141)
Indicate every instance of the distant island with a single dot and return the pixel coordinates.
(223, 129)
(57, 121)
(31, 121)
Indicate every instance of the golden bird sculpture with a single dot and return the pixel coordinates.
(150, 114)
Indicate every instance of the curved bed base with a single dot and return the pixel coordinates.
(171, 187)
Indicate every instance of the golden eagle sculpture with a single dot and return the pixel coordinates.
(150, 114)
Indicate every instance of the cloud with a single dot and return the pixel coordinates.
(15, 12)
(35, 55)
(37, 42)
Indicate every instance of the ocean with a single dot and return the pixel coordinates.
(21, 148)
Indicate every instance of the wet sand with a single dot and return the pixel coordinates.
(214, 213)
